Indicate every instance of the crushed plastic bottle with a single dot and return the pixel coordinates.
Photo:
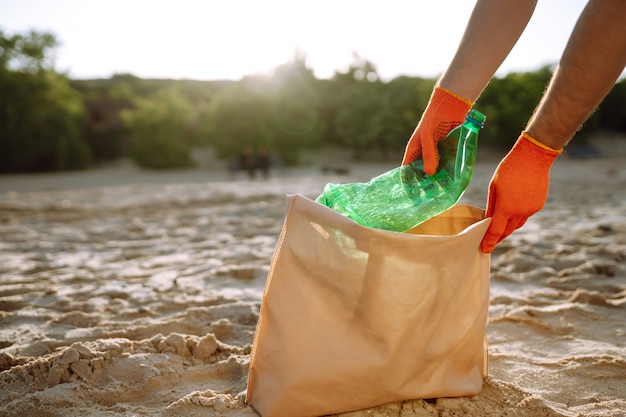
(406, 196)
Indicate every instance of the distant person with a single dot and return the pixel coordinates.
(593, 59)
(247, 162)
(264, 162)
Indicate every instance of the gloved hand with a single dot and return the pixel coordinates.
(518, 188)
(444, 112)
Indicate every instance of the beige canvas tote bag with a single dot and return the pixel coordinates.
(353, 317)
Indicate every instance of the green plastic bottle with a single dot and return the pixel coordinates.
(406, 196)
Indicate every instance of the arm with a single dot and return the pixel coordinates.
(493, 28)
(492, 31)
(594, 58)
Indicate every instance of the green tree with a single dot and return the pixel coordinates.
(161, 130)
(27, 53)
(239, 117)
(279, 112)
(357, 121)
(612, 112)
(368, 114)
(402, 104)
(508, 103)
(295, 104)
(41, 116)
(355, 107)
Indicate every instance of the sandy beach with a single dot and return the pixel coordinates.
(129, 293)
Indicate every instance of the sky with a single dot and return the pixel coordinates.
(229, 39)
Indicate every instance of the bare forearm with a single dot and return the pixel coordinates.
(594, 58)
(492, 31)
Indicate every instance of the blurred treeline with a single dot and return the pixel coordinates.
(49, 122)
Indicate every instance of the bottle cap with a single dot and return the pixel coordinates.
(476, 118)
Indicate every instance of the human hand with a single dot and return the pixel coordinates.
(518, 188)
(444, 112)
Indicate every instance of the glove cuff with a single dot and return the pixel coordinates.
(445, 97)
(533, 153)
(534, 141)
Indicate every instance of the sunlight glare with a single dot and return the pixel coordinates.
(230, 39)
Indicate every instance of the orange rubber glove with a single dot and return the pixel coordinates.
(444, 112)
(518, 188)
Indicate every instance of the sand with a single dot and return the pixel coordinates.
(125, 293)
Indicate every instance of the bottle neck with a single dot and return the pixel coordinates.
(474, 122)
